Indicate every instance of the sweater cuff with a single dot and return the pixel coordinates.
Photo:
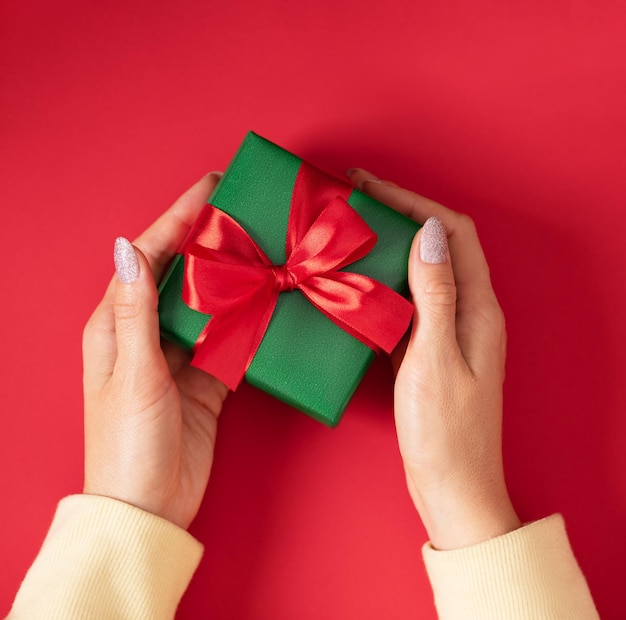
(530, 572)
(105, 558)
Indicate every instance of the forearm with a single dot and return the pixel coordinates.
(106, 559)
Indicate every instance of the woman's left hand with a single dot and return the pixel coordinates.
(150, 418)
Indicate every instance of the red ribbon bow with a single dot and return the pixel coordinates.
(228, 276)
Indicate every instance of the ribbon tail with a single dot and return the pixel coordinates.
(229, 342)
(368, 310)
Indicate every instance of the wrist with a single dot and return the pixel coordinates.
(469, 516)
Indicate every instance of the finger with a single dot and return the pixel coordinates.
(408, 203)
(99, 347)
(135, 304)
(476, 300)
(359, 177)
(462, 236)
(159, 243)
(161, 240)
(431, 281)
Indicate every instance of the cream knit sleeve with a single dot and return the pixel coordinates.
(103, 558)
(530, 573)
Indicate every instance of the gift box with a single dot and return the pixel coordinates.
(291, 276)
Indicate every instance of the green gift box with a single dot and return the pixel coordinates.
(304, 358)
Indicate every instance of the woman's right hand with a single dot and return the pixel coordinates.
(448, 390)
(150, 417)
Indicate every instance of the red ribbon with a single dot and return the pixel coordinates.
(228, 276)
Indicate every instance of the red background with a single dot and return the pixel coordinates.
(511, 112)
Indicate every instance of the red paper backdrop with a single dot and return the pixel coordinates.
(512, 112)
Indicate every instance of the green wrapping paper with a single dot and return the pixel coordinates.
(304, 359)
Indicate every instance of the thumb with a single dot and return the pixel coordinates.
(135, 306)
(432, 285)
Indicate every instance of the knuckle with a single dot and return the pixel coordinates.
(493, 316)
(92, 326)
(440, 292)
(500, 319)
(466, 223)
(496, 315)
(501, 324)
(88, 333)
(88, 328)
(495, 323)
(126, 310)
(96, 332)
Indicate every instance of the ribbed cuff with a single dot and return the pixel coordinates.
(103, 558)
(528, 573)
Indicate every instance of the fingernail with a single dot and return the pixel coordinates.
(434, 242)
(126, 265)
(217, 173)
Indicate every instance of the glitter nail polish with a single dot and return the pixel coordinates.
(434, 242)
(126, 265)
